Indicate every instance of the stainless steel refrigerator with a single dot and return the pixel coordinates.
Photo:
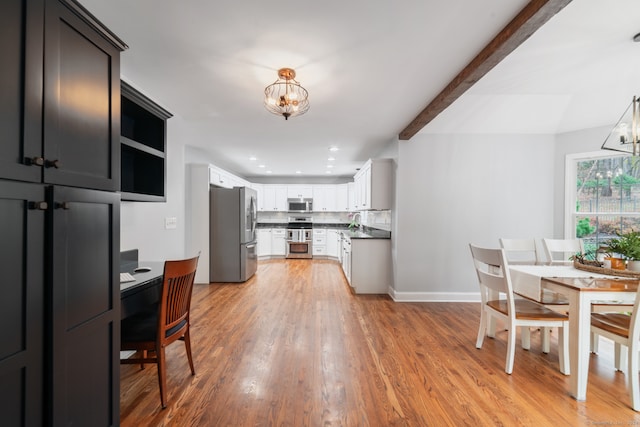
(232, 238)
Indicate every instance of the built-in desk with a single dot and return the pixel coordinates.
(145, 291)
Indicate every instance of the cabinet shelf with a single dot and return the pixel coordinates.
(143, 143)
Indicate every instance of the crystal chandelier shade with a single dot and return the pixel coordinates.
(285, 97)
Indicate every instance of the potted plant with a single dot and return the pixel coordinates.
(628, 246)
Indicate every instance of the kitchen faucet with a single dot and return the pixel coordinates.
(355, 220)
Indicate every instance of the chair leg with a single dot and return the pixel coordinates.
(491, 331)
(187, 345)
(144, 356)
(563, 348)
(594, 342)
(511, 349)
(482, 329)
(632, 375)
(619, 355)
(525, 337)
(162, 376)
(546, 338)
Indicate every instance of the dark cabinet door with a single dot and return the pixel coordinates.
(21, 304)
(85, 297)
(81, 103)
(21, 88)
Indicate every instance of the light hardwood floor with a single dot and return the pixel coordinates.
(293, 347)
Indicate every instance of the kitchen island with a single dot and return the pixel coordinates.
(366, 260)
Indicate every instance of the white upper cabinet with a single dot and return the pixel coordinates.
(324, 198)
(373, 185)
(331, 198)
(275, 198)
(299, 191)
(342, 198)
(351, 190)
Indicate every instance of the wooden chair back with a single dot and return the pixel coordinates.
(493, 275)
(175, 302)
(520, 251)
(558, 251)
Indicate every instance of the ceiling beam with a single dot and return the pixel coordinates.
(533, 16)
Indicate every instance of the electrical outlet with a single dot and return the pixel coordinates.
(170, 223)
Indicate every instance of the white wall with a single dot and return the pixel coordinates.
(452, 190)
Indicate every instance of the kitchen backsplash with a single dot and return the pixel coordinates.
(375, 219)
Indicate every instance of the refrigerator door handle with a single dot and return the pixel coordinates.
(252, 245)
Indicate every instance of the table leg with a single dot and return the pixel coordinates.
(579, 340)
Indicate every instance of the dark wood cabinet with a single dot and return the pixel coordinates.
(59, 216)
(21, 81)
(22, 227)
(81, 102)
(85, 306)
(58, 65)
(143, 147)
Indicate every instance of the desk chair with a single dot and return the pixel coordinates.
(491, 266)
(154, 330)
(558, 251)
(624, 330)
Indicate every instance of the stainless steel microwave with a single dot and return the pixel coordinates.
(300, 205)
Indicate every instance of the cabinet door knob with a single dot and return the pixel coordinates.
(52, 164)
(63, 205)
(41, 206)
(34, 161)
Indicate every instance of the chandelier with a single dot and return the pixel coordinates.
(285, 97)
(625, 136)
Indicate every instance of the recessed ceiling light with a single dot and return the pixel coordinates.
(261, 166)
(331, 159)
(328, 172)
(269, 172)
(298, 171)
(329, 166)
(253, 158)
(334, 148)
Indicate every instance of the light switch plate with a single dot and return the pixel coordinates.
(170, 223)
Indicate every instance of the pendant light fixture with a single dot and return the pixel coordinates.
(285, 97)
(625, 136)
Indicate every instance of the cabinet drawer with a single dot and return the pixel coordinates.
(319, 240)
(319, 231)
(319, 250)
(280, 232)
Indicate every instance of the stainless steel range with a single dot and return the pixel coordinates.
(300, 237)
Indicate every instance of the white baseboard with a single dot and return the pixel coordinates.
(434, 296)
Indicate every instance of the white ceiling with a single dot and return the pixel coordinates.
(370, 67)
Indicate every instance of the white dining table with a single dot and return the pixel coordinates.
(581, 288)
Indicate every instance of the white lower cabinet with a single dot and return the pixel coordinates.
(319, 241)
(346, 257)
(264, 241)
(333, 238)
(278, 242)
(367, 264)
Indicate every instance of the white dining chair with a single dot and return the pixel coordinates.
(520, 251)
(492, 270)
(624, 330)
(558, 251)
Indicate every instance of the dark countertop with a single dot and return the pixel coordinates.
(272, 225)
(367, 233)
(362, 233)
